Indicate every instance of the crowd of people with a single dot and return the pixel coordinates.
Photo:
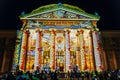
(56, 75)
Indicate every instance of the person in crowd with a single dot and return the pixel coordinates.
(82, 75)
(94, 75)
(73, 75)
(67, 75)
(87, 75)
(10, 76)
(78, 75)
(100, 75)
(118, 75)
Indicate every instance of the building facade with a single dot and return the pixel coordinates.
(111, 49)
(7, 43)
(109, 54)
(58, 36)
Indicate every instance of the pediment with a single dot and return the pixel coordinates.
(60, 14)
(55, 11)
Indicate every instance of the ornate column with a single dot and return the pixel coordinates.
(22, 62)
(37, 49)
(96, 51)
(67, 37)
(53, 53)
(78, 56)
(17, 49)
(86, 50)
(82, 50)
(90, 46)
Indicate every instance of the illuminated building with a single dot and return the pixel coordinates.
(58, 36)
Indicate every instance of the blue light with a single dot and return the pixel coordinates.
(23, 13)
(96, 14)
(59, 4)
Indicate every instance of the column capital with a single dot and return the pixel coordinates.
(81, 31)
(24, 22)
(66, 29)
(21, 29)
(38, 29)
(52, 29)
(94, 23)
(26, 31)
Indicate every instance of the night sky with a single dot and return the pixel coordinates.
(109, 10)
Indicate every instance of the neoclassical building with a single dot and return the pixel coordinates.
(58, 36)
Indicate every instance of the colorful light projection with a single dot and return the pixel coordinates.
(17, 49)
(31, 50)
(97, 51)
(60, 37)
(60, 51)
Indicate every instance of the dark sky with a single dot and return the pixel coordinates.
(109, 10)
